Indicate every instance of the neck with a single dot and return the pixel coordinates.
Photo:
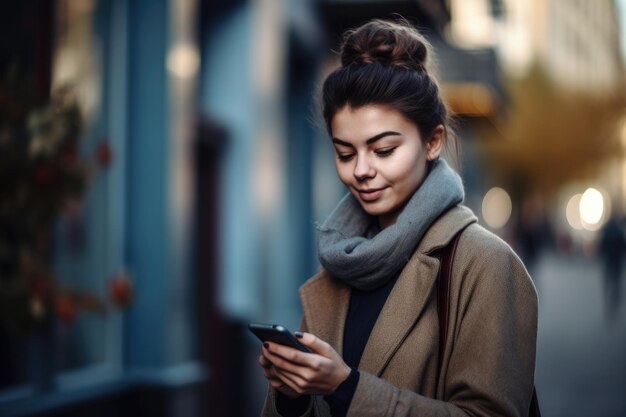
(386, 220)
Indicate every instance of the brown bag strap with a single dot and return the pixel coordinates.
(443, 293)
(443, 307)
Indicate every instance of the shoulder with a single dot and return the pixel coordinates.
(486, 264)
(476, 240)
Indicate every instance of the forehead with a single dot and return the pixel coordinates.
(361, 123)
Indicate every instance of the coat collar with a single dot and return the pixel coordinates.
(445, 228)
(325, 300)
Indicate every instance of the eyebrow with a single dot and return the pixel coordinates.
(370, 140)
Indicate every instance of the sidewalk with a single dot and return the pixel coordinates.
(581, 348)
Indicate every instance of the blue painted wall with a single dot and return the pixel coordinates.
(147, 181)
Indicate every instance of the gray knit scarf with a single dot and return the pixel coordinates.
(351, 248)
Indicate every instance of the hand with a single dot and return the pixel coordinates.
(270, 373)
(320, 372)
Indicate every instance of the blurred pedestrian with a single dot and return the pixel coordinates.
(370, 314)
(612, 249)
(534, 232)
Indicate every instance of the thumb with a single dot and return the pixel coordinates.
(314, 343)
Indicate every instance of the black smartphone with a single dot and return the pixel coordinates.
(277, 334)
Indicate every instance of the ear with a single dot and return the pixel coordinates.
(434, 144)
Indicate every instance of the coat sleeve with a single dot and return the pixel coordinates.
(489, 358)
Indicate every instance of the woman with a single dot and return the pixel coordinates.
(370, 314)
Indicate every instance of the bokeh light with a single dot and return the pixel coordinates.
(183, 60)
(572, 212)
(497, 207)
(591, 209)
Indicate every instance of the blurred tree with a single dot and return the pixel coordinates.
(43, 178)
(550, 136)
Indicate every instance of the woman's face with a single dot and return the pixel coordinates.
(381, 157)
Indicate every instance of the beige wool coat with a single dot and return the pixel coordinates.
(489, 357)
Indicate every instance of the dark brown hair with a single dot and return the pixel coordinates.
(385, 63)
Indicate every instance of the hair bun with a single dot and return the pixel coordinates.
(390, 43)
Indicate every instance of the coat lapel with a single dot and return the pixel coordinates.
(413, 290)
(400, 312)
(325, 302)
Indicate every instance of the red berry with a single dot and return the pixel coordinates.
(104, 154)
(65, 308)
(121, 290)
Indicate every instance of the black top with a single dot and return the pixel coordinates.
(363, 311)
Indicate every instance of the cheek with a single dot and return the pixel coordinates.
(343, 172)
(408, 168)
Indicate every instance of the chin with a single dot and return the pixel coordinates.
(375, 209)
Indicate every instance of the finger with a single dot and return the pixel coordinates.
(293, 381)
(301, 380)
(277, 383)
(286, 382)
(306, 371)
(316, 344)
(269, 373)
(268, 370)
(302, 375)
(272, 378)
(264, 362)
(280, 362)
(275, 352)
(272, 373)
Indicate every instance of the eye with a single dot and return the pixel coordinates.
(385, 151)
(345, 157)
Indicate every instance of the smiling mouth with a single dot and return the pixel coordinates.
(370, 195)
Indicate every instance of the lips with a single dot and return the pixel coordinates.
(370, 195)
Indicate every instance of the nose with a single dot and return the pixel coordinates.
(363, 169)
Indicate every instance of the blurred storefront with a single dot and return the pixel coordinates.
(98, 308)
